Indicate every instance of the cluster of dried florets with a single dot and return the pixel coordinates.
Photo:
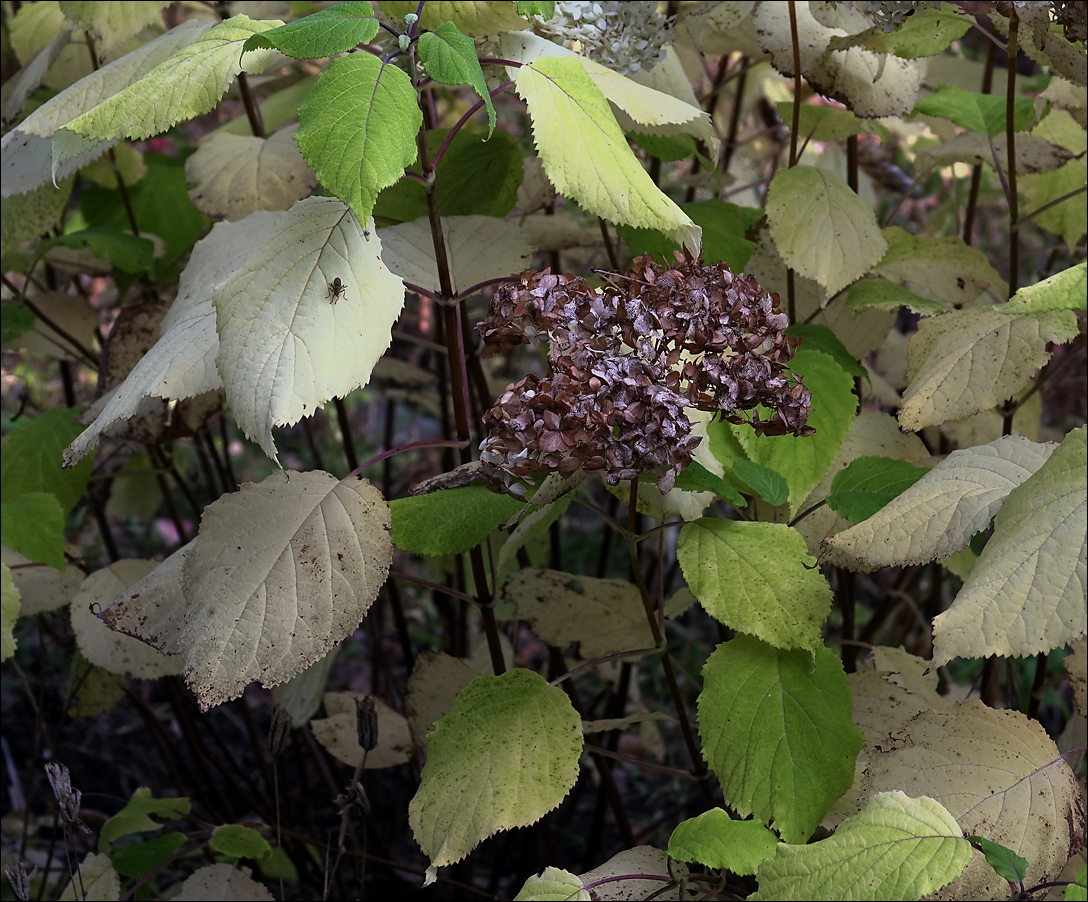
(627, 361)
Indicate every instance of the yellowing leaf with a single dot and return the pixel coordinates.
(966, 361)
(940, 513)
(181, 364)
(503, 756)
(95, 881)
(636, 873)
(281, 572)
(221, 881)
(287, 344)
(472, 17)
(432, 689)
(1027, 591)
(41, 587)
(478, 248)
(870, 84)
(552, 883)
(9, 613)
(111, 23)
(105, 648)
(607, 615)
(821, 228)
(233, 176)
(586, 155)
(189, 83)
(997, 773)
(339, 733)
(897, 848)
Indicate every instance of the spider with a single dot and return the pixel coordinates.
(336, 288)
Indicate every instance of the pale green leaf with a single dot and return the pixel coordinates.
(940, 513)
(265, 603)
(106, 648)
(999, 774)
(503, 756)
(1026, 593)
(982, 113)
(1067, 219)
(765, 482)
(475, 18)
(232, 176)
(1033, 154)
(867, 484)
(181, 364)
(95, 880)
(111, 23)
(339, 732)
(967, 361)
(821, 228)
(942, 269)
(926, 33)
(450, 58)
(432, 689)
(9, 613)
(586, 155)
(753, 578)
(884, 294)
(552, 885)
(716, 840)
(33, 525)
(301, 695)
(450, 521)
(638, 873)
(358, 128)
(897, 848)
(135, 817)
(1066, 290)
(30, 215)
(803, 461)
(287, 344)
(190, 82)
(478, 248)
(605, 615)
(776, 730)
(870, 84)
(238, 841)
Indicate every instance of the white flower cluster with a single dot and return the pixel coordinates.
(890, 14)
(625, 36)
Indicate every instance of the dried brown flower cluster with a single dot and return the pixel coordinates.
(626, 362)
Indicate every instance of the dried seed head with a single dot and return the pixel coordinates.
(366, 722)
(626, 362)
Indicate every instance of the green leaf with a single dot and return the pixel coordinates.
(821, 338)
(697, 478)
(927, 33)
(827, 123)
(803, 461)
(30, 459)
(161, 204)
(450, 58)
(136, 861)
(15, 320)
(9, 612)
(503, 756)
(473, 17)
(777, 732)
(33, 524)
(896, 848)
(966, 361)
(1005, 862)
(543, 8)
(869, 483)
(326, 32)
(767, 483)
(884, 294)
(477, 176)
(569, 112)
(183, 86)
(821, 227)
(1026, 593)
(239, 842)
(723, 226)
(123, 249)
(1078, 890)
(945, 269)
(982, 113)
(449, 521)
(1062, 291)
(669, 148)
(752, 577)
(136, 816)
(552, 884)
(716, 840)
(358, 129)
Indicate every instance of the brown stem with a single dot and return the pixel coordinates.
(976, 172)
(345, 434)
(253, 111)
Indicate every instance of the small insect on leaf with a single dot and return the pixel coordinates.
(336, 288)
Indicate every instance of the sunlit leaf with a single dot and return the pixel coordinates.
(718, 841)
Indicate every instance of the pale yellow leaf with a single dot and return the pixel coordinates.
(102, 646)
(233, 176)
(966, 361)
(1033, 154)
(96, 881)
(942, 512)
(301, 695)
(287, 343)
(945, 269)
(478, 248)
(111, 23)
(1076, 665)
(1026, 594)
(642, 869)
(41, 587)
(432, 688)
(221, 883)
(339, 733)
